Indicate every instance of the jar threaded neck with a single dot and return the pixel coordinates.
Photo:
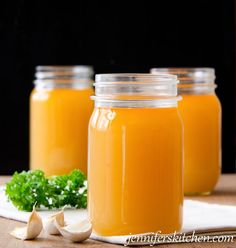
(135, 90)
(192, 80)
(63, 76)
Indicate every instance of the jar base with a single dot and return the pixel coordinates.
(197, 193)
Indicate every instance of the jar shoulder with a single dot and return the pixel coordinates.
(204, 100)
(150, 117)
(39, 94)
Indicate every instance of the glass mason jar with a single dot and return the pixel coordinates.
(135, 155)
(200, 110)
(60, 108)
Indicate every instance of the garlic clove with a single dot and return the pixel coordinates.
(19, 233)
(32, 229)
(49, 223)
(77, 232)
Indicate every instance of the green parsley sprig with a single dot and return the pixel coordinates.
(30, 188)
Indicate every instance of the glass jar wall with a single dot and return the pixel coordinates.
(135, 155)
(201, 113)
(60, 108)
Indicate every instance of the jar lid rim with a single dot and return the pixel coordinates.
(189, 74)
(71, 68)
(134, 78)
(62, 72)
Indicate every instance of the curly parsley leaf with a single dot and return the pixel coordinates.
(29, 188)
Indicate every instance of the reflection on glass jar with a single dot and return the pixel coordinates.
(201, 113)
(60, 108)
(135, 155)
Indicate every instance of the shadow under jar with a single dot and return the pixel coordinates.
(135, 155)
(60, 108)
(200, 110)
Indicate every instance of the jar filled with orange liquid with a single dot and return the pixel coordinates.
(60, 108)
(200, 110)
(135, 155)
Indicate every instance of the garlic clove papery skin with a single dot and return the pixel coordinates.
(32, 229)
(49, 224)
